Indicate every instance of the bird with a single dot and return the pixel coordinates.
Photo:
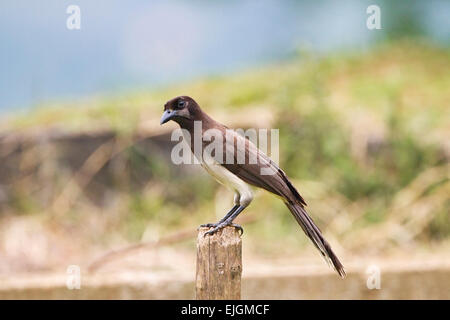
(242, 176)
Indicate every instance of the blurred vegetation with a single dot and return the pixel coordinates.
(364, 136)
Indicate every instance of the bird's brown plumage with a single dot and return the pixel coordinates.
(279, 184)
(251, 173)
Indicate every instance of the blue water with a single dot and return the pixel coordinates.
(143, 44)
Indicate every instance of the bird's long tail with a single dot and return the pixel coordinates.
(314, 233)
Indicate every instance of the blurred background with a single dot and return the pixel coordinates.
(86, 177)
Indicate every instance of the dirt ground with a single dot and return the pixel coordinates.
(168, 273)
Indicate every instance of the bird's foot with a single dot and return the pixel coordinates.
(208, 225)
(217, 226)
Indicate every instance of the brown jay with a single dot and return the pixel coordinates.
(239, 177)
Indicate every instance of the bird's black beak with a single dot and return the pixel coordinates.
(167, 115)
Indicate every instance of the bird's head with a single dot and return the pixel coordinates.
(181, 109)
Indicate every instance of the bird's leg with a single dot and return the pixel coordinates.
(213, 225)
(228, 221)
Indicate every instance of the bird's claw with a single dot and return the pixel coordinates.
(209, 225)
(217, 226)
(240, 229)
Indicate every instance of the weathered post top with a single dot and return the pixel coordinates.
(219, 264)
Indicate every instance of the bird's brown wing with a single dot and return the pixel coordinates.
(263, 174)
(279, 184)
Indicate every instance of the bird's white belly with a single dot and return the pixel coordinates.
(228, 179)
(225, 177)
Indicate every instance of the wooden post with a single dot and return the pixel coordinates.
(219, 265)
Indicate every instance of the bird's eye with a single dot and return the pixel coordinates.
(180, 104)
